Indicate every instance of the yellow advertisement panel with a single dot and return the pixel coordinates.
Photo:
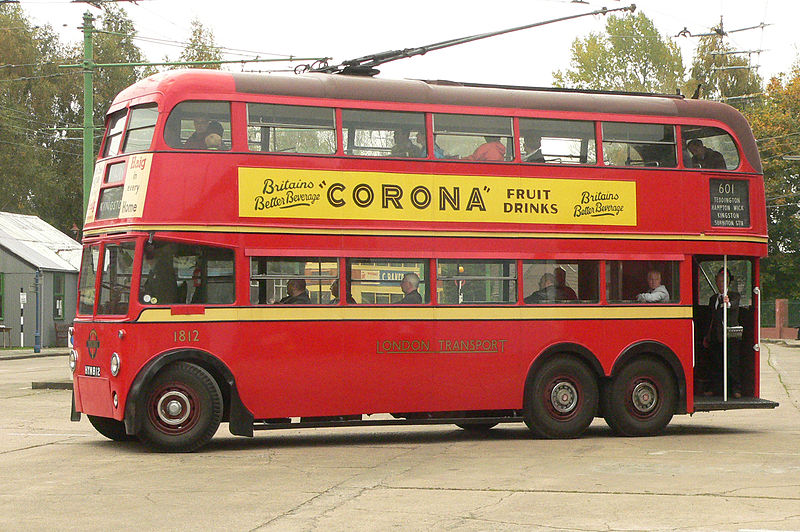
(347, 195)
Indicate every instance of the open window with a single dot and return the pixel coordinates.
(476, 282)
(383, 133)
(548, 282)
(388, 281)
(557, 141)
(292, 280)
(290, 129)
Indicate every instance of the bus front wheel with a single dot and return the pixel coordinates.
(640, 400)
(110, 428)
(561, 398)
(182, 409)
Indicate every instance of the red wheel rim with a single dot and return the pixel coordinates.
(173, 408)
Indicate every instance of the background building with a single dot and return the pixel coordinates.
(29, 245)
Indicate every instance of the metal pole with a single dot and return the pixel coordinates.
(22, 317)
(88, 108)
(37, 334)
(725, 329)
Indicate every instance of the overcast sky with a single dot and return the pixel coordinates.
(349, 29)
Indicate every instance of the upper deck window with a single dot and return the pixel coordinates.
(626, 144)
(290, 129)
(116, 125)
(557, 141)
(383, 133)
(199, 125)
(709, 148)
(140, 128)
(474, 138)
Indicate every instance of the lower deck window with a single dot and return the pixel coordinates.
(387, 281)
(642, 281)
(549, 282)
(292, 280)
(179, 274)
(463, 282)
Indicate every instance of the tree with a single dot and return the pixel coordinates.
(631, 55)
(774, 121)
(723, 74)
(201, 47)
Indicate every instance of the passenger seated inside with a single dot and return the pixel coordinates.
(410, 287)
(657, 292)
(546, 292)
(297, 293)
(492, 150)
(532, 147)
(161, 284)
(207, 135)
(563, 292)
(404, 147)
(703, 157)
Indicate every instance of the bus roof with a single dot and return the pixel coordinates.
(216, 84)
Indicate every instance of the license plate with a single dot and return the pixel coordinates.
(91, 371)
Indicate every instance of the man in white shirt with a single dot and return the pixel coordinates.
(657, 292)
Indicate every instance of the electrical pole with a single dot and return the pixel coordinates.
(88, 107)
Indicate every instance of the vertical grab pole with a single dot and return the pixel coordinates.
(725, 329)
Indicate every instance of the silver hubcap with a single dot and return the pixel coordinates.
(564, 397)
(174, 408)
(645, 397)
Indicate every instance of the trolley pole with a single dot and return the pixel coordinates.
(88, 107)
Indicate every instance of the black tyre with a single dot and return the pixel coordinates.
(110, 428)
(640, 400)
(182, 408)
(476, 427)
(561, 398)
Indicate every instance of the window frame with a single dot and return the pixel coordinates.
(58, 295)
(273, 127)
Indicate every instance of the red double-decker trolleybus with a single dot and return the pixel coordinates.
(332, 250)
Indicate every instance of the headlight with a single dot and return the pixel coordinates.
(73, 360)
(115, 364)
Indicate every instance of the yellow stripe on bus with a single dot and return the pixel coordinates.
(407, 313)
(401, 232)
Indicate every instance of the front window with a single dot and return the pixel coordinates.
(290, 129)
(292, 280)
(383, 133)
(626, 144)
(181, 274)
(199, 125)
(116, 125)
(115, 280)
(475, 282)
(474, 138)
(86, 291)
(141, 127)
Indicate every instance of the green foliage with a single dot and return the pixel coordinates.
(631, 55)
(774, 120)
(722, 73)
(40, 159)
(201, 47)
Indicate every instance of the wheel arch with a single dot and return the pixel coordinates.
(661, 352)
(240, 419)
(582, 352)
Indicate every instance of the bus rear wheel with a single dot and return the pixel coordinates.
(640, 400)
(110, 428)
(561, 398)
(182, 409)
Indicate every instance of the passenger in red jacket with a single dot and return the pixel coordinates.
(493, 150)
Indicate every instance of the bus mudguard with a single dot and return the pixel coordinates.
(240, 419)
(568, 347)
